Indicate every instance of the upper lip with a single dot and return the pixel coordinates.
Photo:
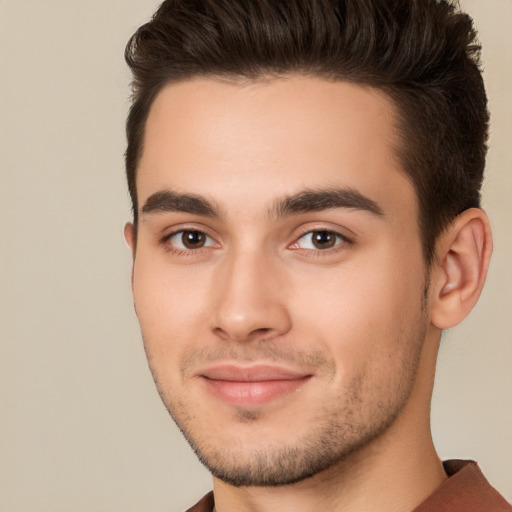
(255, 373)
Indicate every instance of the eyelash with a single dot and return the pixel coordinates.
(341, 242)
(184, 251)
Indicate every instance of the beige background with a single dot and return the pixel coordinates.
(81, 426)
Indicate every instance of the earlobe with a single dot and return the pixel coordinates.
(460, 268)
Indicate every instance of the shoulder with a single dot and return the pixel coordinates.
(203, 505)
(465, 490)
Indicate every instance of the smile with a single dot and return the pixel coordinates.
(253, 386)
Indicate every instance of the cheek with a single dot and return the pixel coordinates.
(169, 304)
(362, 311)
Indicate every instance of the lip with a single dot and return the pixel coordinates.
(251, 386)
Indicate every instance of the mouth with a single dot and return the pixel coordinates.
(251, 386)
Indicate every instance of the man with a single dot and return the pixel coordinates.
(305, 181)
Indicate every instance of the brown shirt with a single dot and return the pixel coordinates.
(466, 490)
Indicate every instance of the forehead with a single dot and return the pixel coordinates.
(250, 141)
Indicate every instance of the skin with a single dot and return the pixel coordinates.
(355, 318)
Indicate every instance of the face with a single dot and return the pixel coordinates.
(278, 275)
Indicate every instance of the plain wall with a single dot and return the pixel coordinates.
(81, 425)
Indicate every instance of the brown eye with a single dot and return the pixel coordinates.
(193, 239)
(190, 240)
(323, 239)
(320, 239)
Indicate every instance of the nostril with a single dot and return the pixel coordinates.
(221, 333)
(260, 331)
(255, 334)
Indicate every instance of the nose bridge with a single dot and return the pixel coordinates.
(251, 300)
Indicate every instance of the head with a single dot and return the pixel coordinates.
(304, 177)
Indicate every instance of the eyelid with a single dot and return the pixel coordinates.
(346, 241)
(165, 240)
(183, 231)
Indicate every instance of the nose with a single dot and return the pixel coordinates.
(251, 302)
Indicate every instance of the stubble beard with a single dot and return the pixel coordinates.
(339, 433)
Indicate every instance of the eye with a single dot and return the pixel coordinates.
(190, 240)
(320, 239)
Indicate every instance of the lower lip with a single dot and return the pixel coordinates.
(247, 394)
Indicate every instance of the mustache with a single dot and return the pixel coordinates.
(261, 351)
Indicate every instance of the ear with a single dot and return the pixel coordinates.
(460, 267)
(129, 236)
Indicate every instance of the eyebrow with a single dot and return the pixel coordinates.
(318, 200)
(169, 201)
(314, 200)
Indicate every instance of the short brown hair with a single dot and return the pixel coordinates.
(423, 53)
